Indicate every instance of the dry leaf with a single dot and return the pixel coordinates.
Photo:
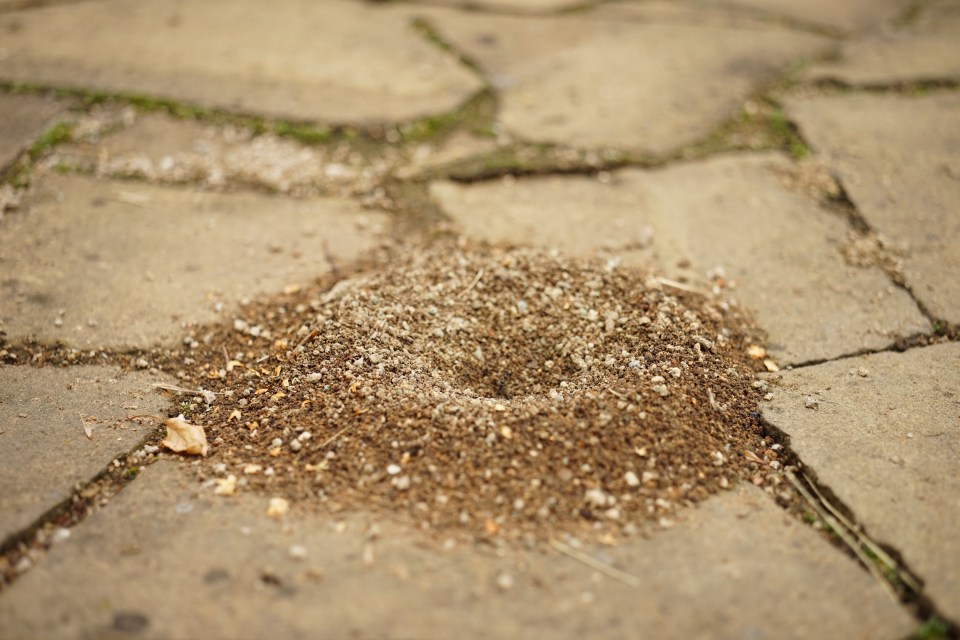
(278, 507)
(183, 437)
(226, 486)
(756, 352)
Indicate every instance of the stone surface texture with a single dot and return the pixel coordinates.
(850, 15)
(511, 6)
(44, 451)
(887, 444)
(591, 82)
(221, 567)
(170, 254)
(898, 160)
(925, 51)
(22, 119)
(304, 65)
(733, 213)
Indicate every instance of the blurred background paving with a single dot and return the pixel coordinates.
(168, 164)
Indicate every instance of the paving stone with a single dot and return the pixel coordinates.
(339, 61)
(170, 558)
(847, 16)
(925, 51)
(22, 119)
(897, 158)
(887, 444)
(512, 6)
(591, 82)
(130, 264)
(730, 212)
(44, 451)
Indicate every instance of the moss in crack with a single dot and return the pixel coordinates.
(18, 174)
(934, 628)
(476, 116)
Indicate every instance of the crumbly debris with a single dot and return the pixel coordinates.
(502, 395)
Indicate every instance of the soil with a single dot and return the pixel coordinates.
(488, 394)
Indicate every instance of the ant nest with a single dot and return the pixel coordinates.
(510, 394)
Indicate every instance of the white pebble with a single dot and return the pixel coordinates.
(632, 479)
(298, 552)
(393, 469)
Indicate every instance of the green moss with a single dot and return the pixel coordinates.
(933, 629)
(55, 135)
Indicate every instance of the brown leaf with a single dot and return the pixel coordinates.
(183, 437)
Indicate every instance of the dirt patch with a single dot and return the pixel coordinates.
(502, 395)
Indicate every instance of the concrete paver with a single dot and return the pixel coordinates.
(612, 82)
(887, 444)
(731, 212)
(44, 451)
(925, 51)
(22, 119)
(170, 255)
(850, 15)
(512, 6)
(897, 158)
(173, 560)
(301, 64)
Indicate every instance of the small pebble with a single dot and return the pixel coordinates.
(297, 552)
(505, 582)
(393, 469)
(811, 403)
(631, 479)
(862, 372)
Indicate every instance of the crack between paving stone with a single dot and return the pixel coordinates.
(904, 584)
(911, 88)
(85, 499)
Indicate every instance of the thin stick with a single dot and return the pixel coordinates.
(844, 536)
(470, 286)
(593, 563)
(667, 282)
(310, 336)
(175, 388)
(336, 435)
(864, 540)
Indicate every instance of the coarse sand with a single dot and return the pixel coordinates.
(491, 394)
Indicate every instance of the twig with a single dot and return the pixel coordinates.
(310, 336)
(667, 282)
(616, 394)
(470, 286)
(843, 535)
(864, 540)
(175, 388)
(336, 435)
(593, 563)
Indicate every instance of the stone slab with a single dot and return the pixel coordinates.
(731, 212)
(926, 51)
(511, 6)
(174, 561)
(850, 15)
(131, 264)
(337, 61)
(888, 446)
(594, 82)
(44, 451)
(897, 158)
(22, 119)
